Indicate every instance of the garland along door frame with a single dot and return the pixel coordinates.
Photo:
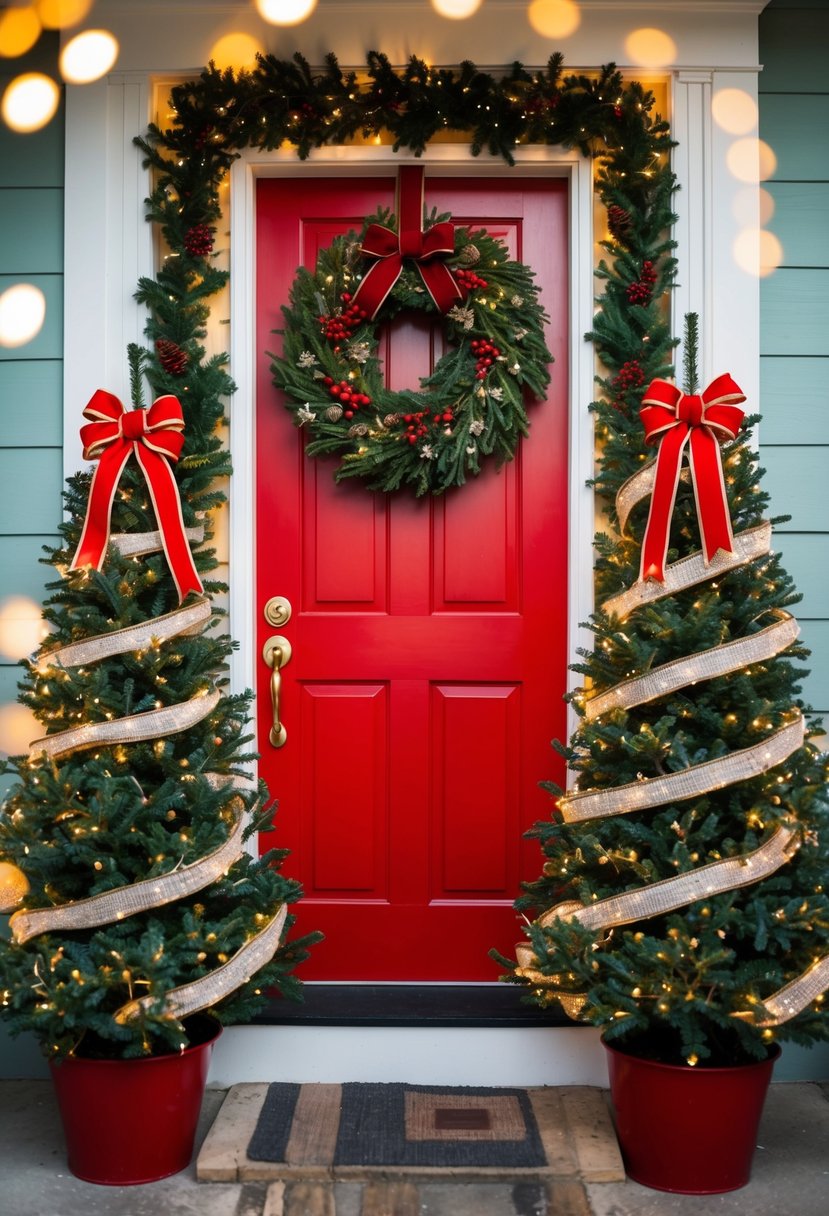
(428, 638)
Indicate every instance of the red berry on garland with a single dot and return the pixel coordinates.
(629, 377)
(171, 357)
(198, 240)
(619, 222)
(641, 292)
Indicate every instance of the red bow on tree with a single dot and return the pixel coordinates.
(674, 419)
(425, 249)
(155, 436)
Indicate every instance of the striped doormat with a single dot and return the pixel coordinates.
(363, 1131)
(410, 1125)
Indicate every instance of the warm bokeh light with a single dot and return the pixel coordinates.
(22, 627)
(18, 727)
(751, 202)
(22, 313)
(286, 12)
(88, 56)
(735, 111)
(651, 48)
(757, 251)
(456, 9)
(236, 51)
(19, 31)
(554, 18)
(61, 14)
(751, 160)
(30, 102)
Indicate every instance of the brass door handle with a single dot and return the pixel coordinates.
(277, 652)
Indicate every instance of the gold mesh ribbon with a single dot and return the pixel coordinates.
(201, 994)
(792, 999)
(689, 571)
(135, 728)
(137, 897)
(688, 782)
(142, 636)
(673, 893)
(139, 544)
(704, 665)
(638, 487)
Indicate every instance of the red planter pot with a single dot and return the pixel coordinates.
(688, 1130)
(131, 1121)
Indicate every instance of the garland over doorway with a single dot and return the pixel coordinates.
(286, 102)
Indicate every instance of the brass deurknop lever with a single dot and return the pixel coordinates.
(276, 652)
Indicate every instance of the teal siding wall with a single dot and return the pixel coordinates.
(31, 391)
(794, 311)
(31, 251)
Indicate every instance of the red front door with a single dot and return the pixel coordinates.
(428, 637)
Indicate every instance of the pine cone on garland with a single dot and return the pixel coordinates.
(619, 222)
(172, 358)
(198, 240)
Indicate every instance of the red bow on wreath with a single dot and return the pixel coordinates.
(423, 248)
(155, 436)
(702, 422)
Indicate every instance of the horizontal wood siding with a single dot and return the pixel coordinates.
(794, 309)
(31, 379)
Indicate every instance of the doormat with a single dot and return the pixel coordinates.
(412, 1125)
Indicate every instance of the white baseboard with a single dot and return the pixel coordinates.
(429, 1056)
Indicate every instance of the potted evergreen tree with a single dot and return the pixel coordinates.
(682, 903)
(141, 922)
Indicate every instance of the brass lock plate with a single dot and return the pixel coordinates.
(278, 610)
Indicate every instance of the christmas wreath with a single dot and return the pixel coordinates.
(472, 405)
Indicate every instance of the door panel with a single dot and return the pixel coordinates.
(429, 637)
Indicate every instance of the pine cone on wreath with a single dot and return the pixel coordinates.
(198, 240)
(172, 358)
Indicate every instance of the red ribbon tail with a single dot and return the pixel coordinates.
(372, 293)
(666, 481)
(92, 546)
(167, 506)
(710, 494)
(440, 284)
